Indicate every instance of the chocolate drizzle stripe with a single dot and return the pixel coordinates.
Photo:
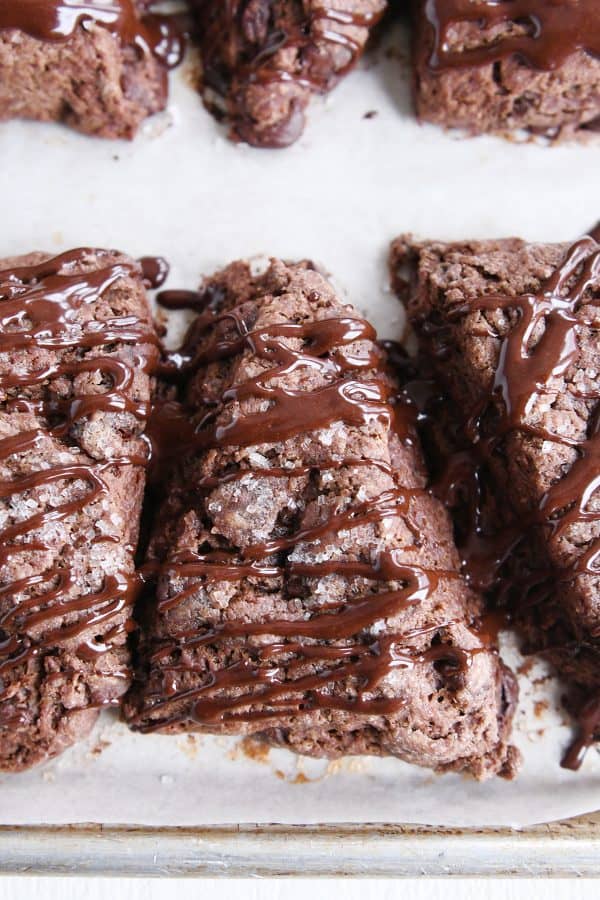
(40, 310)
(543, 33)
(351, 615)
(59, 20)
(345, 399)
(266, 689)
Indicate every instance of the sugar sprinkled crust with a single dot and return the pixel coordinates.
(308, 588)
(77, 345)
(263, 59)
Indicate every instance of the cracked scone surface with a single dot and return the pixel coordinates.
(308, 589)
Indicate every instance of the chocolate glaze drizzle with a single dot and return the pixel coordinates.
(526, 368)
(229, 69)
(40, 309)
(540, 346)
(58, 20)
(155, 270)
(298, 669)
(554, 30)
(589, 731)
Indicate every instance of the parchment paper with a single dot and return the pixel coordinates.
(339, 196)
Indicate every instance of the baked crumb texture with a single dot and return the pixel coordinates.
(263, 59)
(76, 348)
(309, 590)
(529, 66)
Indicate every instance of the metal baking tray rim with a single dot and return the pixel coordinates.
(562, 849)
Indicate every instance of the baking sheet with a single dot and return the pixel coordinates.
(339, 196)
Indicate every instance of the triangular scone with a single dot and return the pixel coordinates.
(309, 588)
(511, 329)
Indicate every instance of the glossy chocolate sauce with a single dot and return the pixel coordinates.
(299, 666)
(544, 33)
(155, 270)
(317, 24)
(589, 731)
(41, 309)
(58, 20)
(524, 370)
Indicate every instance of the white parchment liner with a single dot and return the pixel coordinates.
(339, 196)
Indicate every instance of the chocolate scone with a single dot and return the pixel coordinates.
(308, 588)
(262, 59)
(77, 346)
(511, 329)
(486, 66)
(100, 67)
